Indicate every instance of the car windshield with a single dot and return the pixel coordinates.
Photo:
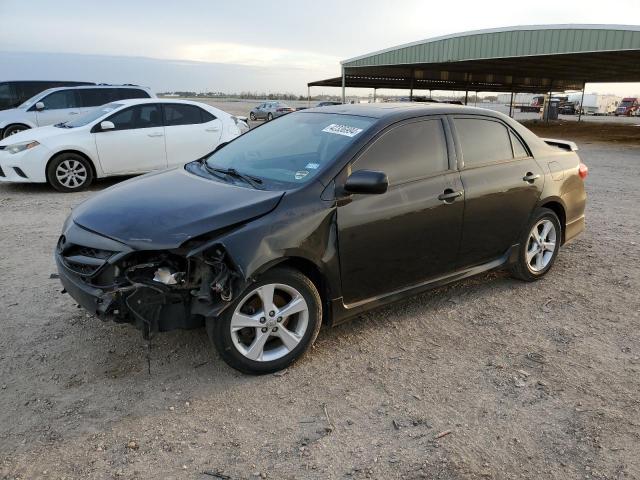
(93, 115)
(291, 150)
(626, 103)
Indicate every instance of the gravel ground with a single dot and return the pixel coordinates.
(487, 378)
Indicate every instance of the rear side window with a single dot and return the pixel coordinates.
(176, 114)
(61, 99)
(128, 93)
(140, 116)
(94, 97)
(483, 141)
(408, 152)
(7, 96)
(518, 148)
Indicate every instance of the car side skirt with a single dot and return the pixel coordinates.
(342, 312)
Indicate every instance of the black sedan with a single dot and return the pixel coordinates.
(317, 217)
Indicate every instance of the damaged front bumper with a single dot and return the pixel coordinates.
(155, 291)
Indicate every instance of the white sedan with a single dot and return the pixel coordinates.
(121, 138)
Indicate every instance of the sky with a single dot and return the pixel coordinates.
(249, 45)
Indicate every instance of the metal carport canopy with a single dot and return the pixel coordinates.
(534, 58)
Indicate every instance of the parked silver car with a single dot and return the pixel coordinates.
(270, 110)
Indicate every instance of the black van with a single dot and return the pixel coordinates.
(13, 93)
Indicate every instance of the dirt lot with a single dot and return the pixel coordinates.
(488, 378)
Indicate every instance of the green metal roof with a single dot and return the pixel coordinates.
(524, 58)
(507, 42)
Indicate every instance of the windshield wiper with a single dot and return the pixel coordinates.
(62, 125)
(255, 182)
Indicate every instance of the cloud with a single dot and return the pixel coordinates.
(253, 55)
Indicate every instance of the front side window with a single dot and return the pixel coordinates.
(140, 116)
(293, 149)
(407, 152)
(482, 141)
(7, 98)
(177, 114)
(61, 99)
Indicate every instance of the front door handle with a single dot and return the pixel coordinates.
(530, 177)
(448, 196)
(213, 129)
(73, 113)
(155, 135)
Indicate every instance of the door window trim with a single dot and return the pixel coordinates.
(96, 128)
(458, 147)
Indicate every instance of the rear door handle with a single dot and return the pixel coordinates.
(213, 129)
(155, 135)
(73, 113)
(530, 177)
(449, 195)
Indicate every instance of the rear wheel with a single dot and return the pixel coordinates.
(271, 324)
(269, 117)
(252, 116)
(539, 246)
(13, 129)
(69, 172)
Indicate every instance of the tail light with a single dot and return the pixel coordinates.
(583, 171)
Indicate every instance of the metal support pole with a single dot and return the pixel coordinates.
(548, 105)
(344, 82)
(374, 95)
(581, 102)
(466, 96)
(476, 103)
(511, 105)
(413, 74)
(308, 96)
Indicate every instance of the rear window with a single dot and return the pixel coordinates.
(94, 97)
(482, 141)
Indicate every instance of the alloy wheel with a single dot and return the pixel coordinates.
(71, 173)
(541, 245)
(269, 322)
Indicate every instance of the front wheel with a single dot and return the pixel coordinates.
(539, 246)
(69, 172)
(13, 129)
(252, 117)
(271, 324)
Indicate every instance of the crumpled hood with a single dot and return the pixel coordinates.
(162, 210)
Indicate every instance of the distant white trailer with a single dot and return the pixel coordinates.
(594, 103)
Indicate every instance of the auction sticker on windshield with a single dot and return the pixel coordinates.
(345, 130)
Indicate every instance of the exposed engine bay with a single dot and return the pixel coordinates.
(154, 291)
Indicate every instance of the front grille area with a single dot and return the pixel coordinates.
(85, 261)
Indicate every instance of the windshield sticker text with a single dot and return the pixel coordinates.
(345, 130)
(312, 166)
(300, 174)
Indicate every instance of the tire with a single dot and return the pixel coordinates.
(269, 117)
(79, 169)
(252, 117)
(533, 263)
(251, 340)
(13, 129)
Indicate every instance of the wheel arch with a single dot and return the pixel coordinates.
(15, 124)
(556, 205)
(312, 271)
(77, 152)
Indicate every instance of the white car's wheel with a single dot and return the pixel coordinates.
(69, 172)
(13, 129)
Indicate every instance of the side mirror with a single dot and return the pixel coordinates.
(107, 125)
(367, 182)
(39, 106)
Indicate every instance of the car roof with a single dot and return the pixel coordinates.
(402, 110)
(84, 87)
(161, 100)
